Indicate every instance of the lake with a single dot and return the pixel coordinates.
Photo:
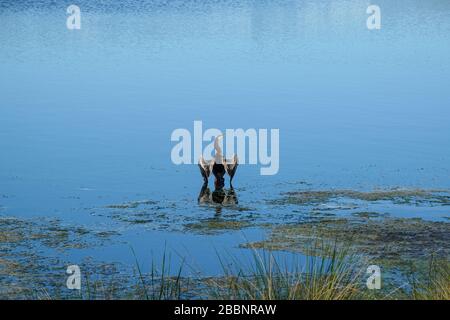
(86, 118)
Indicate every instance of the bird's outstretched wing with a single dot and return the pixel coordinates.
(205, 168)
(231, 166)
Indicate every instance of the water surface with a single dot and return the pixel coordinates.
(86, 115)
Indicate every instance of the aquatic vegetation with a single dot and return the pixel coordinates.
(160, 284)
(397, 196)
(436, 286)
(167, 216)
(145, 212)
(360, 233)
(27, 272)
(330, 271)
(369, 214)
(214, 225)
(390, 241)
(302, 206)
(49, 232)
(131, 205)
(265, 278)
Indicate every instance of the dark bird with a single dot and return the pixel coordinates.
(218, 166)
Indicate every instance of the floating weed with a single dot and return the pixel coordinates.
(329, 272)
(389, 241)
(397, 196)
(132, 204)
(369, 214)
(215, 225)
(22, 268)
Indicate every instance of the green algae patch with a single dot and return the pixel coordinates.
(180, 217)
(131, 204)
(51, 233)
(143, 212)
(396, 196)
(25, 271)
(388, 241)
(134, 218)
(213, 226)
(369, 214)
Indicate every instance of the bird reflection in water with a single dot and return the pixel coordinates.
(219, 166)
(219, 197)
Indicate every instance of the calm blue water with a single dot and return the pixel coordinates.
(86, 115)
